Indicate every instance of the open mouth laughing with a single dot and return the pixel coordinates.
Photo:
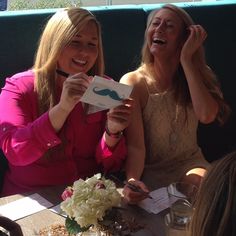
(159, 41)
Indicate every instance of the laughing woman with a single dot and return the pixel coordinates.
(174, 89)
(47, 135)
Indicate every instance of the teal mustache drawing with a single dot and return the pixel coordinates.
(107, 92)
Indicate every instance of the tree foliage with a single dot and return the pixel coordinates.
(41, 4)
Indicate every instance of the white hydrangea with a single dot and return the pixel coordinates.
(90, 199)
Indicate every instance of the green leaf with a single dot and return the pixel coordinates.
(73, 227)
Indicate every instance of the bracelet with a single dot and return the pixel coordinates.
(113, 135)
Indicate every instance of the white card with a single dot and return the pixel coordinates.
(159, 202)
(24, 207)
(57, 209)
(105, 93)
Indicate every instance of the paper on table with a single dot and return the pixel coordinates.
(160, 201)
(57, 209)
(24, 207)
(105, 93)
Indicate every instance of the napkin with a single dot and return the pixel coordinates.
(24, 207)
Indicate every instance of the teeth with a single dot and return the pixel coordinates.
(159, 40)
(80, 61)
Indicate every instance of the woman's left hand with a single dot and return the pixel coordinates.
(197, 35)
(118, 118)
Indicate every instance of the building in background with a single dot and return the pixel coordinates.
(41, 4)
(3, 5)
(122, 2)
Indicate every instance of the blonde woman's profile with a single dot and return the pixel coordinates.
(215, 207)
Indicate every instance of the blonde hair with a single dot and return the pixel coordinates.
(215, 208)
(58, 32)
(182, 93)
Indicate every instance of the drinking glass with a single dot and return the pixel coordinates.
(181, 196)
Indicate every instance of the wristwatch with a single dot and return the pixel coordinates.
(113, 135)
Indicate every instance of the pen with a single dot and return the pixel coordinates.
(131, 186)
(137, 189)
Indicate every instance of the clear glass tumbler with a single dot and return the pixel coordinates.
(181, 196)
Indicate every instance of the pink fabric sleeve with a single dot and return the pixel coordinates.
(23, 137)
(111, 160)
(24, 145)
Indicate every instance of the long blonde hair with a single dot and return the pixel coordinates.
(215, 208)
(182, 94)
(58, 32)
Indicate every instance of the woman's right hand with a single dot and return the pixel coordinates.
(73, 89)
(133, 197)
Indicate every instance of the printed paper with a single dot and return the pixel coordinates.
(105, 93)
(160, 201)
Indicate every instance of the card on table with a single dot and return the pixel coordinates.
(24, 207)
(159, 202)
(57, 209)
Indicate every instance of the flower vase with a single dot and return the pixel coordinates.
(92, 232)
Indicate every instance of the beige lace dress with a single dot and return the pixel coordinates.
(170, 139)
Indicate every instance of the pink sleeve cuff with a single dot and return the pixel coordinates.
(111, 160)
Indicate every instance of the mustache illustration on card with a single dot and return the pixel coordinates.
(107, 92)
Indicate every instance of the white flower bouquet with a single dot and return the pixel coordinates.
(88, 202)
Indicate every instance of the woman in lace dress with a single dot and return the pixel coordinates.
(174, 89)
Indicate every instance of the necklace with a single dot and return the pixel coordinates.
(173, 120)
(173, 135)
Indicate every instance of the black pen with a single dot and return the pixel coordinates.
(130, 185)
(136, 189)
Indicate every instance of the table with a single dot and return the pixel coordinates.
(31, 224)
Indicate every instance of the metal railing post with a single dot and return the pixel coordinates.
(109, 2)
